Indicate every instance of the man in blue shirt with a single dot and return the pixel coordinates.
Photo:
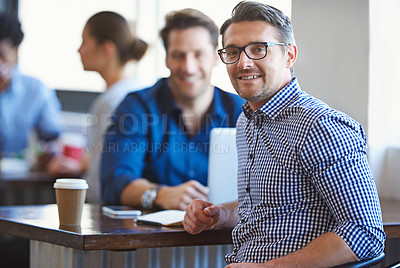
(156, 150)
(306, 195)
(26, 104)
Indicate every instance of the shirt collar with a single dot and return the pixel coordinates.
(277, 103)
(166, 101)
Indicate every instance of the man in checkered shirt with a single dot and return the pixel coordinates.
(307, 197)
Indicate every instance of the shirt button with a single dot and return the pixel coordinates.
(247, 189)
(251, 156)
(242, 220)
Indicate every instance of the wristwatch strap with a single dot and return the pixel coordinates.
(149, 196)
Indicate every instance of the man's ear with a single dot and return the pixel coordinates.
(291, 53)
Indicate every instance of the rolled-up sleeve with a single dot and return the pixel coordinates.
(335, 156)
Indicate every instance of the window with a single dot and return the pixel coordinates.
(53, 31)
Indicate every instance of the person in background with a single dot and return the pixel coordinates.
(27, 105)
(107, 46)
(306, 195)
(156, 150)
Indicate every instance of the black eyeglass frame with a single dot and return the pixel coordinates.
(266, 44)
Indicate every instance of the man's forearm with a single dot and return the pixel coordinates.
(326, 250)
(132, 193)
(230, 216)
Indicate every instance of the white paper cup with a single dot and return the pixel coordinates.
(70, 196)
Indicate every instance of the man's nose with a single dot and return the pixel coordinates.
(244, 61)
(191, 64)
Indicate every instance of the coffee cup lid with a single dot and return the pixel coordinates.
(71, 184)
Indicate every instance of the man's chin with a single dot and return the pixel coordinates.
(191, 93)
(248, 95)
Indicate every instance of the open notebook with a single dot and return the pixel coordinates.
(222, 166)
(163, 218)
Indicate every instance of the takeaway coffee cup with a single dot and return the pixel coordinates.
(70, 196)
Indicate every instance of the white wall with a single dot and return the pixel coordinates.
(384, 110)
(332, 37)
(348, 58)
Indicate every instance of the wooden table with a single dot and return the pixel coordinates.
(102, 239)
(99, 232)
(28, 188)
(23, 188)
(25, 179)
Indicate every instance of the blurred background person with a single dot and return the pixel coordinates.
(27, 105)
(108, 44)
(29, 115)
(157, 147)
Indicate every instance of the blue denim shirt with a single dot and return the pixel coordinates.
(27, 105)
(147, 139)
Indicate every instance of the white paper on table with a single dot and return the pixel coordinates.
(163, 218)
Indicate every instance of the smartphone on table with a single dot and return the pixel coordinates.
(121, 212)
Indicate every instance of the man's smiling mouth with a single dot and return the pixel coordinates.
(249, 77)
(190, 79)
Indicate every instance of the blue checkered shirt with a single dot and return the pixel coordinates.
(303, 171)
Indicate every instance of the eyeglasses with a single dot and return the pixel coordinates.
(254, 51)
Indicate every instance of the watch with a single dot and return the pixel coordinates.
(149, 196)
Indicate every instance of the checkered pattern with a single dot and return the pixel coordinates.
(303, 171)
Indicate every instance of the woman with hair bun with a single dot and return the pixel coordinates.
(107, 46)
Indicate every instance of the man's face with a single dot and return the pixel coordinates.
(190, 59)
(258, 80)
(8, 59)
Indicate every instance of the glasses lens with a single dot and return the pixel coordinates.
(230, 54)
(256, 51)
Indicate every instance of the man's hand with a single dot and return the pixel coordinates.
(179, 197)
(201, 215)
